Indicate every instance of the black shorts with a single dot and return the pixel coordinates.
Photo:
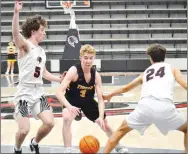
(88, 107)
(11, 57)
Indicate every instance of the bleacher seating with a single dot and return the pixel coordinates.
(117, 29)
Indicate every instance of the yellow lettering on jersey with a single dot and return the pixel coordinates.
(82, 93)
(84, 88)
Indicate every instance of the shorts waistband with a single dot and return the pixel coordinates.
(159, 99)
(30, 85)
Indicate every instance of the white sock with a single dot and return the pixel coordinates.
(17, 148)
(34, 142)
(118, 146)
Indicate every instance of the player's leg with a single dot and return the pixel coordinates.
(43, 111)
(116, 136)
(91, 111)
(168, 118)
(12, 67)
(183, 129)
(68, 117)
(8, 67)
(21, 116)
(67, 131)
(139, 119)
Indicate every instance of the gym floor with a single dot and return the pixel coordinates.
(120, 106)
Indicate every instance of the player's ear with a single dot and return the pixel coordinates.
(32, 32)
(150, 59)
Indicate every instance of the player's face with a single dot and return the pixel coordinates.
(87, 60)
(40, 34)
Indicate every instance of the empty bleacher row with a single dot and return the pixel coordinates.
(121, 28)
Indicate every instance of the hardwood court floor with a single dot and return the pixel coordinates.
(151, 139)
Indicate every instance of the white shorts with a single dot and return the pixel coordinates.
(152, 111)
(30, 99)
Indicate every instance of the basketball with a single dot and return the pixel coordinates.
(89, 144)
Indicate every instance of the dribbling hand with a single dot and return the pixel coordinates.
(74, 110)
(18, 6)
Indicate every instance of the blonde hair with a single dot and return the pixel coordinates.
(87, 48)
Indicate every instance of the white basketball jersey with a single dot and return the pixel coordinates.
(32, 65)
(158, 81)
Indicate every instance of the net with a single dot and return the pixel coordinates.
(67, 6)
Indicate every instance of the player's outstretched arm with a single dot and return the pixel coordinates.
(179, 78)
(125, 88)
(50, 77)
(19, 40)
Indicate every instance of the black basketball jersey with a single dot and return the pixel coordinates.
(81, 90)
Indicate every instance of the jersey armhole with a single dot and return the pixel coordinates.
(78, 72)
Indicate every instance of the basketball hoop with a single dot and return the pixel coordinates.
(67, 6)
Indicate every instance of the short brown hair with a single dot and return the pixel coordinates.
(87, 49)
(32, 23)
(157, 52)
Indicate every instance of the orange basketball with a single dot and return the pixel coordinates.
(89, 144)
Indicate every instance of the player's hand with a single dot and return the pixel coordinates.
(107, 97)
(74, 110)
(100, 122)
(18, 6)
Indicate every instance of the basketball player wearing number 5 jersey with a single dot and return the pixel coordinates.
(30, 94)
(76, 94)
(156, 104)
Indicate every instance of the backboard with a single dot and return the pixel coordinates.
(56, 4)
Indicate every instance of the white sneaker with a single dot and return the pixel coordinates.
(67, 150)
(71, 150)
(121, 149)
(7, 72)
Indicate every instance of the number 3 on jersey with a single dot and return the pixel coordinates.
(83, 93)
(37, 72)
(150, 73)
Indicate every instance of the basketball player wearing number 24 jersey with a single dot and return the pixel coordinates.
(29, 97)
(156, 104)
(76, 94)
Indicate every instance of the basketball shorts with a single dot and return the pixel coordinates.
(149, 111)
(88, 107)
(11, 57)
(30, 100)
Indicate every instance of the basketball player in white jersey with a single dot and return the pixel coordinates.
(30, 95)
(156, 104)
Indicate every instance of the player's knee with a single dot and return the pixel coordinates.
(107, 127)
(49, 123)
(24, 131)
(183, 128)
(184, 131)
(112, 140)
(66, 116)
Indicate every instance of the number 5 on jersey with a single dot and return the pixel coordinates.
(37, 72)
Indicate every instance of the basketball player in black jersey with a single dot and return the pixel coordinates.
(76, 94)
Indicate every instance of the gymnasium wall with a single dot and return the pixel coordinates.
(126, 65)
